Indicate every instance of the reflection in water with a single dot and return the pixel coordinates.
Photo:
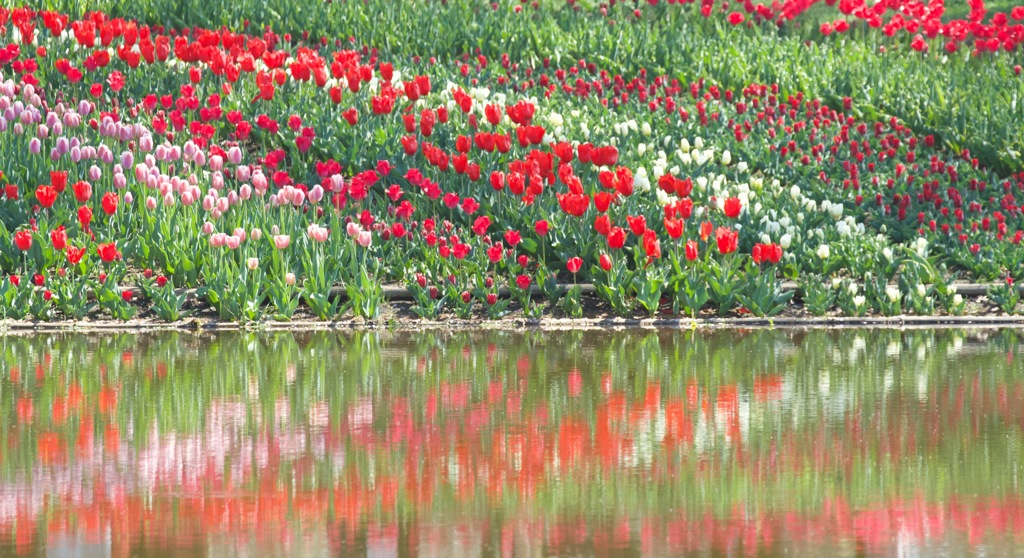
(512, 444)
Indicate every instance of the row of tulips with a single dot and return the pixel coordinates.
(267, 175)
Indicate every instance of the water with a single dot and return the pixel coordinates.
(841, 443)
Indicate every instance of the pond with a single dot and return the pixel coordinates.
(627, 443)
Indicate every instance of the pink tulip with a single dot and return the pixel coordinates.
(150, 203)
(282, 241)
(234, 155)
(207, 228)
(289, 279)
(256, 234)
(316, 194)
(233, 242)
(252, 264)
(353, 230)
(364, 239)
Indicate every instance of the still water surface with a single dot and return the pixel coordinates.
(819, 443)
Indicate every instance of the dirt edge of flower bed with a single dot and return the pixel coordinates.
(195, 325)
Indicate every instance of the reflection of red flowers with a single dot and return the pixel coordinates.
(50, 448)
(107, 400)
(24, 410)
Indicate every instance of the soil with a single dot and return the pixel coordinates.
(398, 314)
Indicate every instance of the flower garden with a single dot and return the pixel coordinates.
(264, 161)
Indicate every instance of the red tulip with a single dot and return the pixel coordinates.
(616, 238)
(75, 255)
(84, 216)
(652, 246)
(109, 203)
(108, 252)
(733, 207)
(46, 196)
(59, 180)
(481, 224)
(59, 238)
(674, 227)
(727, 240)
(638, 225)
(574, 264)
(522, 281)
(605, 261)
(691, 250)
(82, 190)
(23, 240)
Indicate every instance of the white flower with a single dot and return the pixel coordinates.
(887, 253)
(824, 251)
(958, 300)
(837, 210)
(853, 288)
(921, 290)
(794, 192)
(858, 301)
(921, 245)
(742, 166)
(842, 228)
(893, 293)
(726, 157)
(646, 129)
(698, 142)
(684, 145)
(766, 239)
(786, 241)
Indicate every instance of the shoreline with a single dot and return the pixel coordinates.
(197, 325)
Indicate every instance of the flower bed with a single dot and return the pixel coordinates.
(265, 171)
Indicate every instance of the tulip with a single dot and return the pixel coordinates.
(252, 264)
(289, 279)
(574, 264)
(364, 239)
(281, 241)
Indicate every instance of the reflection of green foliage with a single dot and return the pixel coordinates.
(860, 414)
